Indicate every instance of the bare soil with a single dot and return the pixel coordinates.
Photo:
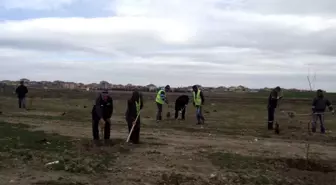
(234, 147)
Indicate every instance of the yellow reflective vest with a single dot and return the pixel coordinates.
(158, 97)
(138, 105)
(197, 98)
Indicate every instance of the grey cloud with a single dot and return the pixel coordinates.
(305, 7)
(45, 45)
(157, 74)
(228, 48)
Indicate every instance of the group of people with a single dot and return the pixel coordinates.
(103, 109)
(181, 103)
(319, 105)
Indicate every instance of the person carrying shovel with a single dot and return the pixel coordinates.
(160, 99)
(101, 116)
(198, 102)
(134, 105)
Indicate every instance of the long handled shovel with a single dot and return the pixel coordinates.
(102, 129)
(168, 113)
(129, 135)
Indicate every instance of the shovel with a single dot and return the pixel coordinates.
(168, 113)
(134, 123)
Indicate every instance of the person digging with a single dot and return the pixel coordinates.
(161, 98)
(101, 117)
(198, 102)
(181, 106)
(273, 100)
(134, 106)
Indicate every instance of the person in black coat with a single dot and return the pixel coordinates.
(273, 100)
(21, 92)
(181, 106)
(101, 115)
(134, 105)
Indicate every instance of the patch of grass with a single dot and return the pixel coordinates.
(246, 169)
(258, 170)
(236, 161)
(20, 146)
(19, 137)
(66, 117)
(84, 164)
(311, 165)
(88, 159)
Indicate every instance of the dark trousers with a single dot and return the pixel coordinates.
(135, 136)
(159, 112)
(178, 109)
(95, 128)
(316, 117)
(22, 102)
(199, 115)
(271, 112)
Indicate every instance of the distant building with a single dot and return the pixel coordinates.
(151, 87)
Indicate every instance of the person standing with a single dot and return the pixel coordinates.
(21, 92)
(273, 98)
(134, 105)
(198, 102)
(181, 105)
(101, 116)
(160, 99)
(319, 105)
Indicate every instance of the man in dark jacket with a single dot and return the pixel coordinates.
(198, 102)
(181, 105)
(101, 115)
(273, 98)
(21, 92)
(319, 105)
(134, 105)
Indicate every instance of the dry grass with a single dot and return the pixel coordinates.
(234, 147)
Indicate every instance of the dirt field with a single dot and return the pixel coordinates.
(234, 147)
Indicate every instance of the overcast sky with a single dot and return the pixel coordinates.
(255, 43)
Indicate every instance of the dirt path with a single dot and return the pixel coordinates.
(244, 145)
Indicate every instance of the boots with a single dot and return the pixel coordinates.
(277, 129)
(322, 130)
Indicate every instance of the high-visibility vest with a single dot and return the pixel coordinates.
(197, 98)
(158, 97)
(137, 104)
